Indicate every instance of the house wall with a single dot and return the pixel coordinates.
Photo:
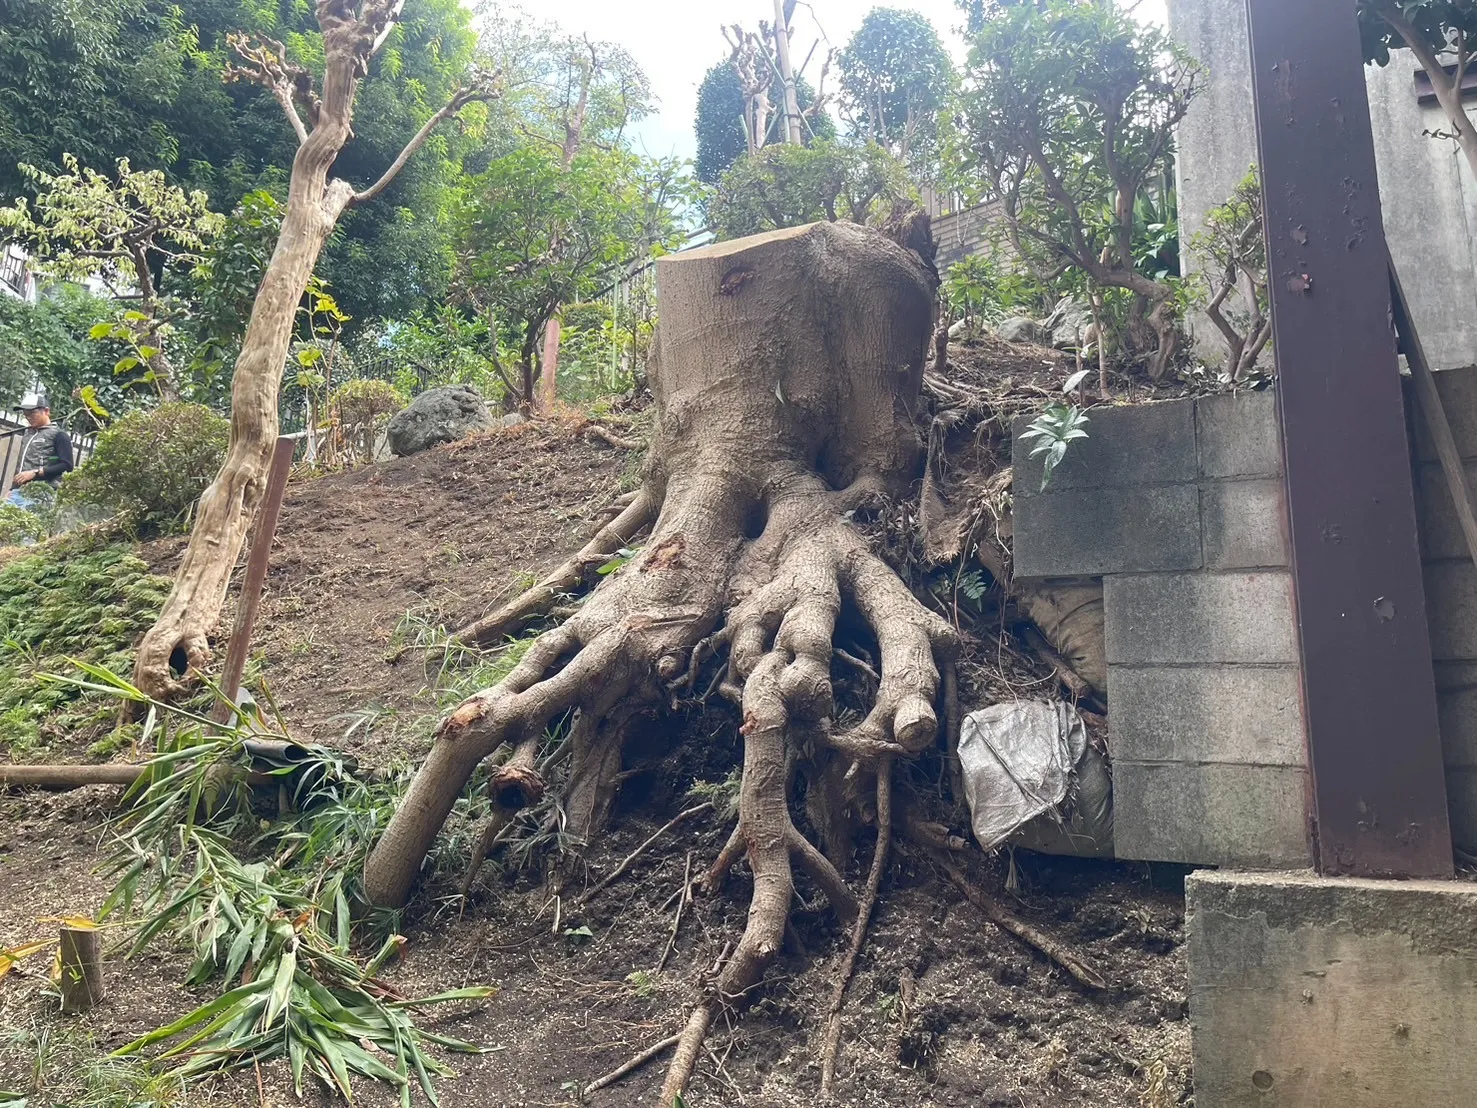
(1428, 192)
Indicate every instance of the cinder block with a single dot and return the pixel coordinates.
(1092, 532)
(1451, 610)
(1441, 534)
(1218, 815)
(1458, 389)
(1239, 436)
(1177, 618)
(1311, 992)
(1242, 524)
(1251, 715)
(1138, 444)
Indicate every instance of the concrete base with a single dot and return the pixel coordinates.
(1308, 991)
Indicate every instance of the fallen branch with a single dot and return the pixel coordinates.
(683, 895)
(631, 1064)
(1071, 680)
(61, 778)
(610, 438)
(859, 931)
(607, 542)
(630, 858)
(1051, 948)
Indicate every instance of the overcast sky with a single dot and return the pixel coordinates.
(676, 41)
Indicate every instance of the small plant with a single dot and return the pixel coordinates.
(151, 466)
(1053, 431)
(643, 984)
(1232, 252)
(723, 795)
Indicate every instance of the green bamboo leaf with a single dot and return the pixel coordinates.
(281, 985)
(204, 1012)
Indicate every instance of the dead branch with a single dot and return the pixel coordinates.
(696, 809)
(631, 1064)
(610, 438)
(859, 930)
(684, 894)
(63, 778)
(1056, 951)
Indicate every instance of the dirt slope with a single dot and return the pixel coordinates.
(945, 1009)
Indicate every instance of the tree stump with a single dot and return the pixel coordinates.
(81, 967)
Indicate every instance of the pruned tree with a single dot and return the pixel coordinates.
(1233, 255)
(790, 366)
(321, 117)
(895, 77)
(774, 93)
(1442, 34)
(124, 232)
(1067, 114)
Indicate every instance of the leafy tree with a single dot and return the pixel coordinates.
(895, 76)
(719, 124)
(127, 233)
(536, 234)
(49, 341)
(786, 186)
(1442, 34)
(1067, 117)
(1233, 263)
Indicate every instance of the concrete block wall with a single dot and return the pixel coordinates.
(1178, 507)
(1451, 595)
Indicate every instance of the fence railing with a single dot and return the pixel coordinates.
(13, 428)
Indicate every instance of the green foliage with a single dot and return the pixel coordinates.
(18, 525)
(151, 466)
(268, 911)
(50, 340)
(1053, 431)
(67, 600)
(895, 77)
(787, 186)
(1434, 21)
(359, 410)
(535, 234)
(719, 123)
(1231, 277)
(980, 287)
(430, 349)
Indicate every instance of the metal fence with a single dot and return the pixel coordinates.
(13, 430)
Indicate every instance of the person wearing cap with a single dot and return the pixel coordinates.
(46, 455)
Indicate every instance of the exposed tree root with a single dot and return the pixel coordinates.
(789, 368)
(1080, 970)
(832, 1044)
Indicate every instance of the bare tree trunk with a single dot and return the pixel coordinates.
(787, 74)
(177, 644)
(1448, 89)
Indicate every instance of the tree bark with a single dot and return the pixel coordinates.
(177, 646)
(1448, 90)
(789, 371)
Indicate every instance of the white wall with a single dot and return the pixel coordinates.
(1428, 192)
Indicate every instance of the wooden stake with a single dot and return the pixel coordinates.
(82, 968)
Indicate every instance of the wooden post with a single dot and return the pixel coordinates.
(82, 967)
(549, 385)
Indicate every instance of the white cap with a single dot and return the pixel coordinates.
(33, 400)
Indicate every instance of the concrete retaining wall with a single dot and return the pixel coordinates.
(1308, 992)
(1428, 193)
(1179, 508)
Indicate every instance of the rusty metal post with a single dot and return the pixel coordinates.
(1378, 786)
(256, 574)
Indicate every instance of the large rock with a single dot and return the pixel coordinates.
(437, 416)
(1019, 328)
(1070, 324)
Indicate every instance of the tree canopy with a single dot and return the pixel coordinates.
(895, 77)
(719, 123)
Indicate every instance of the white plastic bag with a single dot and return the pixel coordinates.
(1018, 760)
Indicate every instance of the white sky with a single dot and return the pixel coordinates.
(676, 41)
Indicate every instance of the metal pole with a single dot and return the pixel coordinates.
(1379, 805)
(256, 575)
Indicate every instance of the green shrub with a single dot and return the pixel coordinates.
(359, 410)
(68, 600)
(151, 466)
(17, 525)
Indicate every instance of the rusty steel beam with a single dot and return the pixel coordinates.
(1369, 693)
(256, 575)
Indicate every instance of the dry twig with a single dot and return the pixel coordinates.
(631, 1064)
(696, 809)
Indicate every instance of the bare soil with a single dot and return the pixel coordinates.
(945, 1008)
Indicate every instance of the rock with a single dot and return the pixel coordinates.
(512, 419)
(1019, 328)
(1069, 324)
(438, 416)
(958, 327)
